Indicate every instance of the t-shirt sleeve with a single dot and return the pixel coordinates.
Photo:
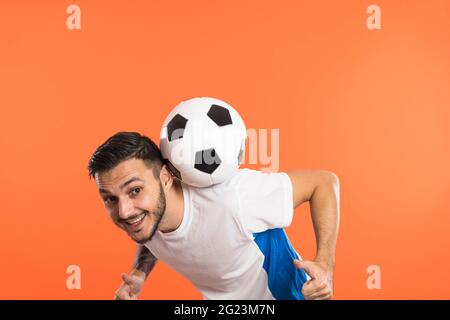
(264, 200)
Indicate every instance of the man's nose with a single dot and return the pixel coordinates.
(125, 208)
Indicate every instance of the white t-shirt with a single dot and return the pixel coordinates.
(230, 243)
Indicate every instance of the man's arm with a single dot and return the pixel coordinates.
(133, 283)
(321, 189)
(145, 261)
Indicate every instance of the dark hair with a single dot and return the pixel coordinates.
(123, 146)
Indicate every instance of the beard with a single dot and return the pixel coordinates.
(158, 213)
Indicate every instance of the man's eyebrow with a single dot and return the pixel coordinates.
(101, 190)
(130, 181)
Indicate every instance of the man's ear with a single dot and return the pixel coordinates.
(166, 178)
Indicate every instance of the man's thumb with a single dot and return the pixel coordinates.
(127, 279)
(306, 266)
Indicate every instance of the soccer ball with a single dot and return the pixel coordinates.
(203, 141)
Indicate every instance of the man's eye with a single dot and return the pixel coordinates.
(109, 200)
(135, 191)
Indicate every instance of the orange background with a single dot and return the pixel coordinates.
(371, 106)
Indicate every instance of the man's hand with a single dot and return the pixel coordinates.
(131, 286)
(320, 286)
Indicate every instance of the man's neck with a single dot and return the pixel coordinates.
(174, 208)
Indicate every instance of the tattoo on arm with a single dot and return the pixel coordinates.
(145, 260)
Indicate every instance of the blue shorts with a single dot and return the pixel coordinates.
(285, 279)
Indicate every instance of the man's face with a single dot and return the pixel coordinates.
(133, 197)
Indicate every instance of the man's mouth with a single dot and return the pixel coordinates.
(136, 222)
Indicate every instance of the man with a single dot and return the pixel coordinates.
(227, 239)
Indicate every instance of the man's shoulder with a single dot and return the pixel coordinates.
(239, 178)
(231, 182)
(251, 179)
(240, 182)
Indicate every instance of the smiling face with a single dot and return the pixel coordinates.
(133, 197)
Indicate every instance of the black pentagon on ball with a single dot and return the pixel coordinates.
(220, 115)
(175, 127)
(207, 161)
